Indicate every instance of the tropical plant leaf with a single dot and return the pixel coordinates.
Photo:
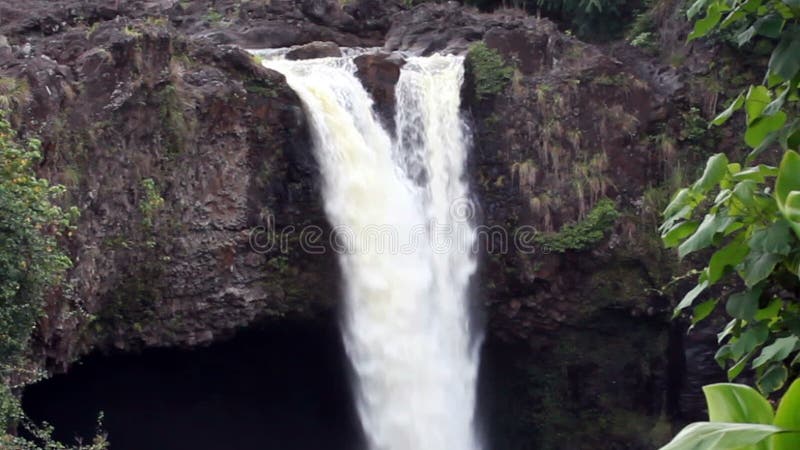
(788, 417)
(716, 168)
(762, 127)
(689, 298)
(784, 61)
(743, 305)
(735, 105)
(720, 436)
(773, 378)
(703, 310)
(704, 235)
(777, 351)
(737, 403)
(704, 26)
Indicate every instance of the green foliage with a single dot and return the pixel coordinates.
(582, 234)
(490, 71)
(592, 19)
(740, 418)
(176, 125)
(151, 202)
(750, 211)
(13, 93)
(30, 258)
(755, 243)
(31, 262)
(213, 16)
(42, 438)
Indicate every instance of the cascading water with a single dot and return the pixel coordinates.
(401, 216)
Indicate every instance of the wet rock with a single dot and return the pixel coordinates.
(315, 50)
(433, 27)
(379, 74)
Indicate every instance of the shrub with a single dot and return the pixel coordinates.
(490, 72)
(585, 233)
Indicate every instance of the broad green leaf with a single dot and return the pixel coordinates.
(777, 351)
(737, 403)
(788, 176)
(757, 132)
(770, 26)
(784, 10)
(791, 208)
(745, 36)
(737, 368)
(716, 167)
(669, 223)
(745, 192)
(743, 305)
(785, 61)
(758, 97)
(788, 182)
(773, 378)
(723, 196)
(689, 298)
(723, 354)
(768, 141)
(770, 311)
(788, 417)
(678, 233)
(696, 7)
(774, 239)
(758, 266)
(704, 26)
(720, 436)
(758, 173)
(703, 310)
(681, 199)
(729, 256)
(751, 5)
(727, 330)
(752, 337)
(704, 235)
(735, 105)
(776, 104)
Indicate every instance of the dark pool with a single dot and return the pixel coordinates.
(282, 387)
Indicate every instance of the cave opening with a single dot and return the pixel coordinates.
(279, 385)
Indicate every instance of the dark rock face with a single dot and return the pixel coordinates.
(379, 74)
(225, 144)
(314, 50)
(573, 125)
(433, 27)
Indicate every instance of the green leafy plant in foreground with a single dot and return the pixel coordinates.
(740, 418)
(756, 230)
(748, 212)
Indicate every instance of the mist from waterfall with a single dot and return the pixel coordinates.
(398, 204)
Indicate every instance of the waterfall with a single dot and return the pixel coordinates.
(401, 218)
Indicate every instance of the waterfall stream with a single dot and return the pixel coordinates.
(401, 218)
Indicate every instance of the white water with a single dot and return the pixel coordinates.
(399, 209)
